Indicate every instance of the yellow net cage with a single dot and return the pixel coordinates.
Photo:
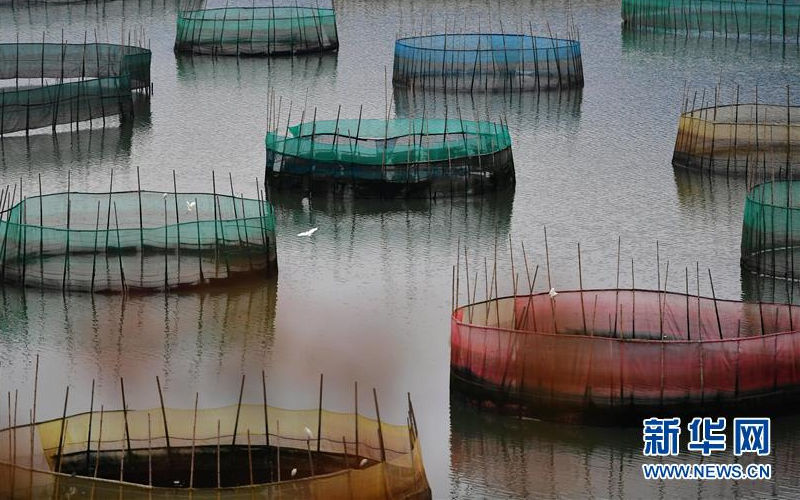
(245, 451)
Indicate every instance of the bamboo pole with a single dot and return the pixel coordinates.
(380, 429)
(194, 434)
(319, 415)
(63, 428)
(163, 412)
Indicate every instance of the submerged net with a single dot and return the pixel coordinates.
(398, 157)
(135, 241)
(104, 76)
(758, 141)
(487, 62)
(770, 240)
(605, 355)
(228, 448)
(255, 30)
(775, 20)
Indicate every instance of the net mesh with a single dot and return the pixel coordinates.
(487, 62)
(758, 141)
(611, 354)
(393, 468)
(106, 75)
(136, 241)
(776, 20)
(769, 237)
(400, 156)
(256, 30)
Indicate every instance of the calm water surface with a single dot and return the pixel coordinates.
(367, 297)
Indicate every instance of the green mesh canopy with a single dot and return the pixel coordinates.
(771, 230)
(393, 142)
(398, 157)
(135, 240)
(102, 76)
(775, 20)
(256, 30)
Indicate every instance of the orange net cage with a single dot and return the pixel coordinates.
(245, 451)
(620, 354)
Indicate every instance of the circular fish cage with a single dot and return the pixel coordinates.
(752, 140)
(241, 450)
(413, 158)
(616, 356)
(256, 31)
(770, 242)
(135, 241)
(774, 21)
(487, 62)
(49, 84)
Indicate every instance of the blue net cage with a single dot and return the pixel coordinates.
(487, 62)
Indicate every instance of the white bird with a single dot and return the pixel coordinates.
(363, 462)
(309, 232)
(163, 196)
(304, 202)
(309, 433)
(190, 205)
(552, 293)
(294, 472)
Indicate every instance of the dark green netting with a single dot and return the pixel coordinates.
(103, 77)
(407, 157)
(487, 62)
(771, 230)
(775, 20)
(256, 30)
(135, 241)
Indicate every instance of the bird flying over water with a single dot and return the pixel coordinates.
(190, 205)
(309, 232)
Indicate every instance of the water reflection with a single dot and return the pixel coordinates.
(314, 70)
(513, 458)
(189, 339)
(81, 151)
(531, 108)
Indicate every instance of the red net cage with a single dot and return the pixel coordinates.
(613, 355)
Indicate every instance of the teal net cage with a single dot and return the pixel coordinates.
(135, 241)
(773, 20)
(771, 230)
(417, 158)
(487, 62)
(48, 84)
(254, 30)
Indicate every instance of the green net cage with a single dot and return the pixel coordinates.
(487, 62)
(760, 141)
(771, 230)
(48, 84)
(773, 20)
(135, 241)
(253, 30)
(396, 157)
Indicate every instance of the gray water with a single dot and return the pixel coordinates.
(367, 297)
